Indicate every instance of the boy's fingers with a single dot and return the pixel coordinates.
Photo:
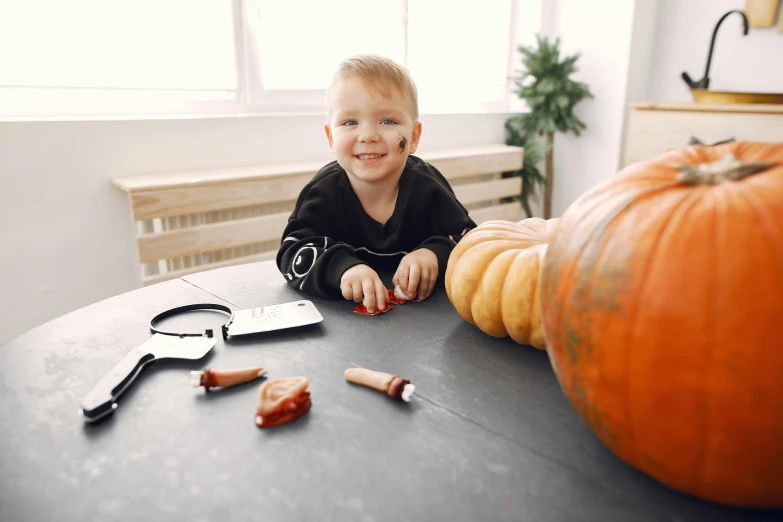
(369, 295)
(402, 278)
(404, 284)
(424, 283)
(433, 280)
(347, 291)
(382, 295)
(357, 292)
(413, 282)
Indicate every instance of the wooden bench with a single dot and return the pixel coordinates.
(193, 221)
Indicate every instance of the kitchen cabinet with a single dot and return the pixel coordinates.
(655, 127)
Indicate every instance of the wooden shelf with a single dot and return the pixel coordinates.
(747, 108)
(656, 127)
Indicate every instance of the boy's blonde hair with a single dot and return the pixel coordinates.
(379, 74)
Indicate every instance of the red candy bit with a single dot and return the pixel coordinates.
(397, 300)
(361, 309)
(394, 299)
(290, 411)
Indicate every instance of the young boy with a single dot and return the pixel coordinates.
(376, 207)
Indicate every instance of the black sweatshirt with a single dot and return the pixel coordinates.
(329, 231)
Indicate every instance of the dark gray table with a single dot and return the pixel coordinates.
(488, 436)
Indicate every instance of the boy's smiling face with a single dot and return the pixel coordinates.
(366, 128)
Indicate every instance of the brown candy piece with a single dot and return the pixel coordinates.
(282, 400)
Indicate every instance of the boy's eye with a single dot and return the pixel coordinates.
(349, 122)
(388, 121)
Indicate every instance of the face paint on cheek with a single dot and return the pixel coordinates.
(403, 142)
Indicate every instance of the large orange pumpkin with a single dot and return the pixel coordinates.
(664, 318)
(492, 278)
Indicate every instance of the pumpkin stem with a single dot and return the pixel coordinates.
(727, 168)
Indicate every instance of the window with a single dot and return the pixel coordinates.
(68, 56)
(459, 56)
(303, 53)
(115, 57)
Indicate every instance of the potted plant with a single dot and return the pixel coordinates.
(519, 134)
(544, 84)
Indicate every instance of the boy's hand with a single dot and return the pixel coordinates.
(417, 273)
(361, 283)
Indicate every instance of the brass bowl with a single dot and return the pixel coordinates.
(708, 96)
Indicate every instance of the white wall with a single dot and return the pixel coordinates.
(751, 63)
(611, 36)
(636, 50)
(67, 235)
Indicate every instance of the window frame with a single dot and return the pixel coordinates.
(250, 98)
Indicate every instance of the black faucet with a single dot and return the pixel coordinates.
(704, 83)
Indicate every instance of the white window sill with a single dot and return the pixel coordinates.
(225, 115)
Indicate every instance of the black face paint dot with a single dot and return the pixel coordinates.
(403, 142)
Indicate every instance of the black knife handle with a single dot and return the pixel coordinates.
(100, 401)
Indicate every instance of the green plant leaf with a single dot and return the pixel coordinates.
(544, 84)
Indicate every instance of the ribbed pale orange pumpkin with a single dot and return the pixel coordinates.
(492, 278)
(664, 318)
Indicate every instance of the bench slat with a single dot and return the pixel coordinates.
(206, 198)
(170, 180)
(174, 274)
(488, 190)
(463, 167)
(214, 236)
(507, 212)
